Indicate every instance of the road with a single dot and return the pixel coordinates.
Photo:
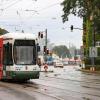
(62, 84)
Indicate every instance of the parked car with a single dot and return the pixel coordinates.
(65, 63)
(58, 64)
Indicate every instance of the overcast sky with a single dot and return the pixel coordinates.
(34, 16)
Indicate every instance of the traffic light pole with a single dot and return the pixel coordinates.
(93, 39)
(45, 45)
(72, 27)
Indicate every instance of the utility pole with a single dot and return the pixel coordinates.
(93, 40)
(94, 49)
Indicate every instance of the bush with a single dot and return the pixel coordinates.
(96, 63)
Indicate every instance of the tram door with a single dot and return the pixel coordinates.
(1, 57)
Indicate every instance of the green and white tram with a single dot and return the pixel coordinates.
(18, 56)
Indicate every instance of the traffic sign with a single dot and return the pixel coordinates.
(93, 52)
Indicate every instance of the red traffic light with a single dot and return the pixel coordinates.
(40, 35)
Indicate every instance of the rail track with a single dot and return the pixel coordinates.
(25, 87)
(53, 87)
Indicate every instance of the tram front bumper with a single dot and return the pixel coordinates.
(25, 74)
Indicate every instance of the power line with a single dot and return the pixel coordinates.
(50, 6)
(7, 2)
(11, 4)
(45, 8)
(21, 22)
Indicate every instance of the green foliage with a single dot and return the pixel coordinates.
(97, 25)
(61, 51)
(97, 61)
(70, 7)
(80, 8)
(89, 10)
(97, 37)
(3, 31)
(99, 52)
(87, 61)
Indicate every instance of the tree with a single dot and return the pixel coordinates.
(89, 10)
(3, 31)
(61, 51)
(81, 8)
(97, 25)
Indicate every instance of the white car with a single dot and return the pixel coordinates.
(58, 64)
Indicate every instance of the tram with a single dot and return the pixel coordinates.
(18, 56)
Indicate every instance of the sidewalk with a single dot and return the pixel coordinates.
(89, 71)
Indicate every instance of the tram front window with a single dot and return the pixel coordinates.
(24, 55)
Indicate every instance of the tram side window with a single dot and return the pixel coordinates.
(7, 55)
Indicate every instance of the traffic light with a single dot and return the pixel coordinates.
(38, 47)
(71, 28)
(39, 34)
(45, 49)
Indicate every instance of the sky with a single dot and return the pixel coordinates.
(33, 16)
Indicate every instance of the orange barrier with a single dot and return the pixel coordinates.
(45, 67)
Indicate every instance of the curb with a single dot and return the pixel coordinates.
(48, 71)
(89, 71)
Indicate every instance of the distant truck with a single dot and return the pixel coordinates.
(49, 60)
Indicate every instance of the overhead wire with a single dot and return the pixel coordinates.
(7, 2)
(35, 12)
(45, 8)
(12, 4)
(20, 18)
